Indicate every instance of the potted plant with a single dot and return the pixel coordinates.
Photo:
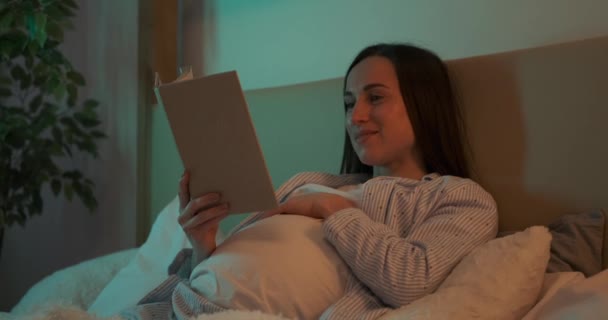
(42, 119)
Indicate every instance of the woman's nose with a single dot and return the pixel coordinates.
(360, 112)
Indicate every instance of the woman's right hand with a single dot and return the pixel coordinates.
(200, 219)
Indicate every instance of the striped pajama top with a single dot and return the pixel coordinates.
(400, 244)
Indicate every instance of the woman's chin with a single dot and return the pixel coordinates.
(370, 156)
(370, 161)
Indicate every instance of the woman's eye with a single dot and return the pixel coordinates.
(375, 98)
(349, 104)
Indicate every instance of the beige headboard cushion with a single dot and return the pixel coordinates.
(538, 125)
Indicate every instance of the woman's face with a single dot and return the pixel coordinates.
(376, 118)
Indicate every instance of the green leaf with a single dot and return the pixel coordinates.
(70, 4)
(50, 166)
(60, 91)
(89, 200)
(29, 62)
(35, 103)
(46, 118)
(51, 84)
(50, 107)
(21, 218)
(7, 19)
(30, 24)
(13, 43)
(69, 138)
(72, 95)
(4, 92)
(16, 139)
(56, 150)
(57, 135)
(67, 149)
(77, 188)
(56, 186)
(89, 113)
(40, 28)
(65, 10)
(6, 48)
(54, 31)
(90, 147)
(91, 123)
(72, 174)
(33, 48)
(18, 73)
(36, 202)
(5, 81)
(40, 69)
(54, 13)
(46, 3)
(76, 77)
(90, 103)
(68, 191)
(4, 129)
(68, 25)
(26, 82)
(71, 125)
(38, 81)
(98, 134)
(55, 57)
(86, 120)
(85, 193)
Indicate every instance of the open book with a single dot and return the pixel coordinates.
(216, 140)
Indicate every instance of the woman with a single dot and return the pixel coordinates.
(416, 213)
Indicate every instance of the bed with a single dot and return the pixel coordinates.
(537, 126)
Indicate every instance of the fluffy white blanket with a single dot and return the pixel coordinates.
(56, 312)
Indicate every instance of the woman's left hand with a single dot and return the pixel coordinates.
(318, 205)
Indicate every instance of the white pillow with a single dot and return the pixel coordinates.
(499, 280)
(148, 268)
(583, 299)
(551, 285)
(278, 265)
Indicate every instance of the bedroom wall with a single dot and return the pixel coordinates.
(103, 47)
(280, 50)
(275, 43)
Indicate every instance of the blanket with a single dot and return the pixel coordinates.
(70, 312)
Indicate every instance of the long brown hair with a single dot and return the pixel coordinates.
(432, 108)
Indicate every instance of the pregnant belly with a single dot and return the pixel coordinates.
(281, 264)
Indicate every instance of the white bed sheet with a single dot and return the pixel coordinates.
(569, 295)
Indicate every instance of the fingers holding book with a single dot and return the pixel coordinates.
(200, 217)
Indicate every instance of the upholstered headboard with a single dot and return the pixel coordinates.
(538, 125)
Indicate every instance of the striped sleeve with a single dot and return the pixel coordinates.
(173, 299)
(182, 264)
(400, 270)
(188, 303)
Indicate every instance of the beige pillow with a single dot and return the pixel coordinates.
(582, 299)
(500, 280)
(577, 244)
(279, 265)
(552, 284)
